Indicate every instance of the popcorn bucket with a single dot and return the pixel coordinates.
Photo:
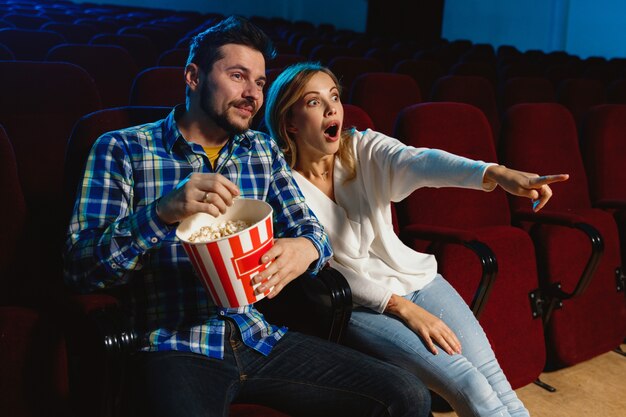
(227, 265)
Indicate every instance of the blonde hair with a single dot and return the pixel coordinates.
(284, 92)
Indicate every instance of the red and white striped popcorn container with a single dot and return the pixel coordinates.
(227, 265)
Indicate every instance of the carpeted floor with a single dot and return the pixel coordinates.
(589, 389)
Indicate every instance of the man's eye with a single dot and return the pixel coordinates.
(237, 76)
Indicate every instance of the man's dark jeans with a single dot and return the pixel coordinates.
(303, 376)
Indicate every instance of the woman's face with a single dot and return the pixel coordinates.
(317, 117)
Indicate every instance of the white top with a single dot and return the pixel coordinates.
(366, 249)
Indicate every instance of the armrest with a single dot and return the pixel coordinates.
(554, 293)
(319, 305)
(470, 240)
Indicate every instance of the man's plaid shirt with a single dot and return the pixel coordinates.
(116, 239)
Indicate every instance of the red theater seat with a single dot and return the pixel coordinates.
(527, 90)
(577, 246)
(354, 116)
(470, 89)
(579, 95)
(158, 86)
(603, 146)
(348, 68)
(30, 45)
(383, 95)
(112, 68)
(40, 103)
(471, 234)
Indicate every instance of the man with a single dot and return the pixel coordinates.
(140, 182)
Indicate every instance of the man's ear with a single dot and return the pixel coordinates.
(192, 76)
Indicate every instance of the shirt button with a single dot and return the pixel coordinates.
(221, 313)
(154, 239)
(114, 266)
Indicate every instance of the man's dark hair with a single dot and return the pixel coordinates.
(205, 46)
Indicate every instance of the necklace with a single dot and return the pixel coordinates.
(325, 175)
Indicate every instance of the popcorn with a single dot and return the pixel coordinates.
(217, 231)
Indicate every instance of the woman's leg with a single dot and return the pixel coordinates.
(473, 382)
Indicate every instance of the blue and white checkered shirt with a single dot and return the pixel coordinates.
(115, 237)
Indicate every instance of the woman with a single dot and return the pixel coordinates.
(395, 287)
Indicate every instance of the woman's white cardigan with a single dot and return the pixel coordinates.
(366, 249)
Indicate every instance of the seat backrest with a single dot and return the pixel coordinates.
(175, 57)
(158, 86)
(13, 209)
(72, 32)
(140, 47)
(542, 137)
(616, 92)
(33, 360)
(31, 45)
(102, 26)
(26, 21)
(579, 95)
(284, 60)
(112, 68)
(348, 68)
(425, 72)
(354, 116)
(5, 53)
(40, 103)
(160, 37)
(527, 90)
(89, 128)
(325, 53)
(486, 70)
(470, 89)
(383, 95)
(603, 145)
(463, 130)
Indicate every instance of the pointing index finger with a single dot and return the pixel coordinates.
(549, 179)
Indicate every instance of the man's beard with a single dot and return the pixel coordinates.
(221, 119)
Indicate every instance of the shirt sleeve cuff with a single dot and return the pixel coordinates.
(488, 186)
(148, 228)
(317, 265)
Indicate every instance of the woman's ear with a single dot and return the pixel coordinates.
(291, 128)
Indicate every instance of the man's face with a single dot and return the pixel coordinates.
(232, 91)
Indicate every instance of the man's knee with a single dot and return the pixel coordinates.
(411, 398)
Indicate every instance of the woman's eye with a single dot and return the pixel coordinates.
(312, 102)
(335, 97)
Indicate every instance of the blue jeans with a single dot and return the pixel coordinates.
(473, 382)
(303, 376)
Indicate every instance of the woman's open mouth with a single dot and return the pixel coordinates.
(332, 131)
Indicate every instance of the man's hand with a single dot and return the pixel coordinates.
(524, 184)
(290, 258)
(208, 193)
